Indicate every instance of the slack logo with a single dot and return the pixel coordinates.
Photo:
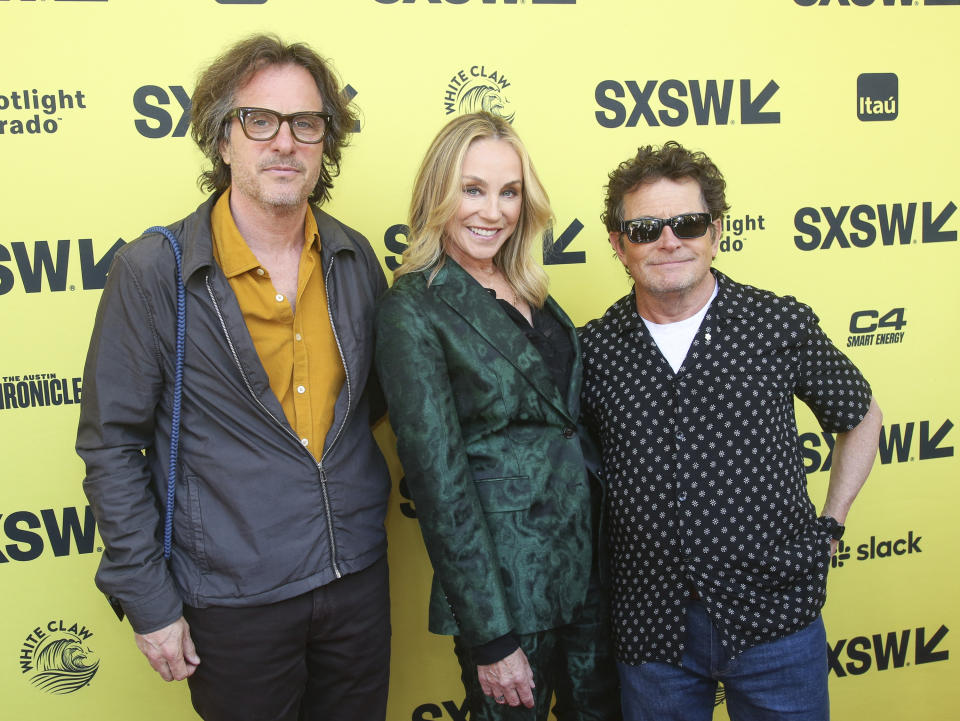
(878, 96)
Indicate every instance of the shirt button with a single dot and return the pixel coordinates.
(569, 432)
(260, 271)
(301, 389)
(682, 496)
(279, 297)
(681, 437)
(298, 336)
(304, 442)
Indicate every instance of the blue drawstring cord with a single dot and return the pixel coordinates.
(177, 390)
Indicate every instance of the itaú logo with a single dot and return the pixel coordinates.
(878, 96)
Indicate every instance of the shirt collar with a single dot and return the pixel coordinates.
(728, 303)
(231, 250)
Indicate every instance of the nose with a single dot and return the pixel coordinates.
(284, 141)
(490, 210)
(667, 240)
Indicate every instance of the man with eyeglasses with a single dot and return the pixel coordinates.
(257, 569)
(718, 558)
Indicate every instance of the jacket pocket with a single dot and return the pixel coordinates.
(192, 526)
(508, 493)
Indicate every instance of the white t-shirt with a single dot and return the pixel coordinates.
(674, 339)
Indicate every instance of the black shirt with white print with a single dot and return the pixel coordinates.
(706, 489)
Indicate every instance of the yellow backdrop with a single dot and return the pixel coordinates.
(833, 121)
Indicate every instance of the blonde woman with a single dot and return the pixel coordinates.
(481, 369)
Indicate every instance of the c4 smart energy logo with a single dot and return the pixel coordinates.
(878, 96)
(57, 657)
(872, 327)
(478, 87)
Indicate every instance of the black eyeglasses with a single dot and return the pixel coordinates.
(263, 124)
(647, 230)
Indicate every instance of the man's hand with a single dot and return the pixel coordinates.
(509, 680)
(170, 650)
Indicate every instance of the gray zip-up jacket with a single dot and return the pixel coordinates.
(257, 519)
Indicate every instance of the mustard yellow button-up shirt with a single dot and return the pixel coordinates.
(298, 349)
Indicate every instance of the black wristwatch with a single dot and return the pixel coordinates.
(834, 526)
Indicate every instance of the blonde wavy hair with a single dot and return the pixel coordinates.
(436, 198)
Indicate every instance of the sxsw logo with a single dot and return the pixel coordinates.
(29, 534)
(168, 113)
(36, 265)
(866, 3)
(674, 102)
(861, 226)
(896, 445)
(447, 710)
(878, 96)
(554, 252)
(881, 651)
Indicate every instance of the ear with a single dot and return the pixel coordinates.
(717, 226)
(616, 243)
(224, 149)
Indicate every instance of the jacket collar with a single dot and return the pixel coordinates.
(466, 297)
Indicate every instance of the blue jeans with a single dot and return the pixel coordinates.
(782, 679)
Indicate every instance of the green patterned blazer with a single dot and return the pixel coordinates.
(491, 454)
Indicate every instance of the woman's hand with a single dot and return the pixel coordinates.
(509, 680)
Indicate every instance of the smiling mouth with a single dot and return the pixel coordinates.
(484, 232)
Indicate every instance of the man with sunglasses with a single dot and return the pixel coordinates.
(718, 557)
(267, 590)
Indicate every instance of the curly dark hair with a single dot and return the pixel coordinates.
(671, 161)
(216, 89)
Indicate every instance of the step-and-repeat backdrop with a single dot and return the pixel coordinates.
(833, 120)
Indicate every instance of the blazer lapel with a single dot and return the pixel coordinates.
(471, 301)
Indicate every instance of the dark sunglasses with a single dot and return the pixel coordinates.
(647, 230)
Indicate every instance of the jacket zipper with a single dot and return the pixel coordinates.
(343, 360)
(284, 428)
(327, 449)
